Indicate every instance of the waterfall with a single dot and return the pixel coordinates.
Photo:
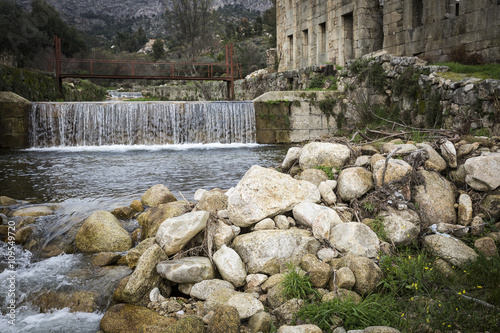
(145, 123)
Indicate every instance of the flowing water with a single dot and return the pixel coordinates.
(83, 162)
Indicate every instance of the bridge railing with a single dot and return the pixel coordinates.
(101, 68)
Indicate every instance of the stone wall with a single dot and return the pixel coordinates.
(403, 90)
(285, 117)
(13, 120)
(433, 29)
(319, 31)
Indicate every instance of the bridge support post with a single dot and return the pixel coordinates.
(57, 58)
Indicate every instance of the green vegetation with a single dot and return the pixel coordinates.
(486, 71)
(328, 170)
(407, 83)
(37, 87)
(130, 42)
(369, 71)
(297, 285)
(374, 310)
(318, 82)
(26, 35)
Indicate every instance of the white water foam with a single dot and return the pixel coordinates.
(123, 148)
(58, 321)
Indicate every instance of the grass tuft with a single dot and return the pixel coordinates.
(374, 310)
(297, 285)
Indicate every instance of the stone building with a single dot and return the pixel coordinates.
(317, 31)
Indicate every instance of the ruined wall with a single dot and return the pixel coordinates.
(318, 31)
(432, 29)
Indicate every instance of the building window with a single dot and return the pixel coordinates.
(290, 4)
(453, 8)
(305, 44)
(322, 38)
(417, 13)
(348, 25)
(290, 48)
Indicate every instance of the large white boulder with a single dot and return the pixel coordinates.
(396, 171)
(320, 218)
(291, 158)
(449, 249)
(354, 183)
(230, 266)
(202, 290)
(401, 226)
(435, 197)
(265, 193)
(174, 233)
(264, 251)
(186, 270)
(323, 154)
(483, 172)
(355, 239)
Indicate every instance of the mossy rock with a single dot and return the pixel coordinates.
(102, 232)
(191, 324)
(127, 318)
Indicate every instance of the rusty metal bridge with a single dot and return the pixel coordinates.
(227, 71)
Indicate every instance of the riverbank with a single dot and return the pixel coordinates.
(394, 233)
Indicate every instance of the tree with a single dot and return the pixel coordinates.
(158, 49)
(191, 25)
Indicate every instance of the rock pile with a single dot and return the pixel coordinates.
(219, 263)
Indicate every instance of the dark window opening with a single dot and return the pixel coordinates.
(417, 13)
(290, 48)
(322, 38)
(348, 23)
(305, 44)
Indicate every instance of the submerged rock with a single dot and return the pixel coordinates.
(102, 232)
(34, 211)
(265, 193)
(77, 301)
(6, 201)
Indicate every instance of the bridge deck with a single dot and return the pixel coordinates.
(142, 70)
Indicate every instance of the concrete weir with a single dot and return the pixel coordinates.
(14, 112)
(291, 117)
